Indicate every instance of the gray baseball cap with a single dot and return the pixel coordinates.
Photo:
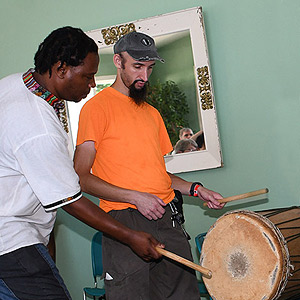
(138, 45)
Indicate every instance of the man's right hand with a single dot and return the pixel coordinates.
(143, 244)
(150, 206)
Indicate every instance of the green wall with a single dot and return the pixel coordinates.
(254, 55)
(106, 66)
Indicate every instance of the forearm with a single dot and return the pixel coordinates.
(97, 187)
(180, 184)
(147, 204)
(92, 215)
(197, 190)
(84, 158)
(51, 245)
(142, 243)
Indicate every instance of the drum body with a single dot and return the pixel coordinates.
(254, 256)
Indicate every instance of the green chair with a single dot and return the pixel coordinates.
(97, 267)
(199, 239)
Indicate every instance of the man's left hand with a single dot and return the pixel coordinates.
(210, 197)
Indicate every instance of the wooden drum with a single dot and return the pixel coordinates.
(254, 256)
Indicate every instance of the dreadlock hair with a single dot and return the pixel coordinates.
(68, 45)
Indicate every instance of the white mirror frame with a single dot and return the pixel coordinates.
(191, 20)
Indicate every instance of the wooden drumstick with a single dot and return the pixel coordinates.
(206, 272)
(242, 196)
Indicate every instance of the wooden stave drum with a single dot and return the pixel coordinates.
(235, 273)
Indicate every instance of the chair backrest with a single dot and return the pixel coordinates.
(199, 239)
(97, 254)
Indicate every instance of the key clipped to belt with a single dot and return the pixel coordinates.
(178, 217)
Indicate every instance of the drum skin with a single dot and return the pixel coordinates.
(249, 256)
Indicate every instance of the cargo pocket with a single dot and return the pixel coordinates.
(127, 287)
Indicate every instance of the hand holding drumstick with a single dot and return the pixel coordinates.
(213, 199)
(241, 196)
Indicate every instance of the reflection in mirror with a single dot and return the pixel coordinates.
(185, 75)
(177, 73)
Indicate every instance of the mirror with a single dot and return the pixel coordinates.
(181, 41)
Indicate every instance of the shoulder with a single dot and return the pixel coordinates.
(156, 114)
(98, 100)
(105, 101)
(11, 84)
(26, 120)
(11, 78)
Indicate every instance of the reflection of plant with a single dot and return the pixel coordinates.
(101, 86)
(171, 102)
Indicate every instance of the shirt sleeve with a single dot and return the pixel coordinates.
(92, 124)
(45, 163)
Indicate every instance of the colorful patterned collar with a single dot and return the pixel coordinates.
(38, 90)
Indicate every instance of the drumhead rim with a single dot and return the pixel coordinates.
(286, 266)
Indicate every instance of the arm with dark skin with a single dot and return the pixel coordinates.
(51, 245)
(143, 244)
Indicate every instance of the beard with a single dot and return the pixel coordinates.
(138, 95)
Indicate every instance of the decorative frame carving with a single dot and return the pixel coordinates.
(112, 34)
(205, 88)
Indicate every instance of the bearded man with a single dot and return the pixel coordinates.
(123, 140)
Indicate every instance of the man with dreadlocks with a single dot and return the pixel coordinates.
(36, 171)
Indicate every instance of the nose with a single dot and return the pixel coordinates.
(92, 84)
(144, 75)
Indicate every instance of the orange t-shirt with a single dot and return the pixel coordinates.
(130, 141)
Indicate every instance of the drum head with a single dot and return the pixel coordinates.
(246, 258)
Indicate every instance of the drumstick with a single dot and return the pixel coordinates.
(242, 196)
(188, 263)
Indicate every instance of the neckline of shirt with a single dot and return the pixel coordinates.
(58, 105)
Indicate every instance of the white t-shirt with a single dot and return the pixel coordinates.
(36, 171)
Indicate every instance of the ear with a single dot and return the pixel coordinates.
(59, 69)
(117, 61)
